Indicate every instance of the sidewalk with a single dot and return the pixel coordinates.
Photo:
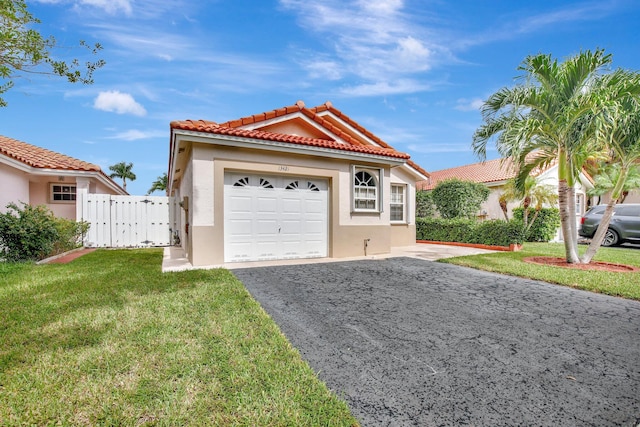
(175, 259)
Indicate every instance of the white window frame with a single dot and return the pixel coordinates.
(377, 175)
(73, 191)
(579, 203)
(394, 202)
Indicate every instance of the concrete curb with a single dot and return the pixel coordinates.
(511, 248)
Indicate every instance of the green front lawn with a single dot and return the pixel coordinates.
(625, 285)
(110, 340)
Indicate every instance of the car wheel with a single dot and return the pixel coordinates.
(610, 238)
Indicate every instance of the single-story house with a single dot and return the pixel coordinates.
(295, 182)
(495, 174)
(38, 176)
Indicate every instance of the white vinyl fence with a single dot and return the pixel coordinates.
(127, 221)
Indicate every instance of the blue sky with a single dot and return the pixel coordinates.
(412, 72)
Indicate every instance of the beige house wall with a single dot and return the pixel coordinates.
(404, 234)
(203, 183)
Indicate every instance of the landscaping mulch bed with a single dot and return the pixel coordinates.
(593, 265)
(69, 256)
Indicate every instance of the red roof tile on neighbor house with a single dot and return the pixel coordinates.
(484, 172)
(42, 158)
(227, 129)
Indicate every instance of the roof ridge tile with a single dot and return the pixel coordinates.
(211, 127)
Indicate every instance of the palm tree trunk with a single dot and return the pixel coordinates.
(525, 212)
(597, 239)
(566, 218)
(535, 216)
(504, 207)
(567, 203)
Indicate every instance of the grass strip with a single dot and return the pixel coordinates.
(110, 340)
(626, 285)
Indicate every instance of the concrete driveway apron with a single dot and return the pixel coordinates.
(408, 342)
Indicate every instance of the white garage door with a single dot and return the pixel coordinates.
(274, 217)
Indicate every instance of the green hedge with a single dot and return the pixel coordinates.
(545, 226)
(425, 208)
(31, 233)
(494, 232)
(455, 198)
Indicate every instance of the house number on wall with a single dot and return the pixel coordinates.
(283, 168)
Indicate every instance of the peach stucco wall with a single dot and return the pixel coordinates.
(22, 186)
(15, 186)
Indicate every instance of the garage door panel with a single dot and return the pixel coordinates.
(266, 250)
(290, 205)
(240, 227)
(315, 227)
(266, 226)
(293, 226)
(268, 217)
(316, 206)
(241, 204)
(239, 251)
(267, 205)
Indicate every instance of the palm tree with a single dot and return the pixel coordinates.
(619, 128)
(160, 184)
(546, 120)
(509, 194)
(532, 195)
(123, 170)
(536, 197)
(607, 176)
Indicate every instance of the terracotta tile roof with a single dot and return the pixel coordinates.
(312, 113)
(484, 172)
(214, 128)
(328, 106)
(42, 158)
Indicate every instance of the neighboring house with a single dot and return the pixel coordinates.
(295, 182)
(38, 176)
(494, 174)
(632, 197)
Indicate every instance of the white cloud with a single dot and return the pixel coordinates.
(118, 102)
(474, 104)
(386, 88)
(324, 70)
(381, 7)
(377, 42)
(110, 6)
(135, 134)
(526, 23)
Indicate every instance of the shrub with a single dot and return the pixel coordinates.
(424, 204)
(31, 233)
(545, 225)
(494, 232)
(459, 199)
(70, 235)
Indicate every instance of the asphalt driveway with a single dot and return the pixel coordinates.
(408, 342)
